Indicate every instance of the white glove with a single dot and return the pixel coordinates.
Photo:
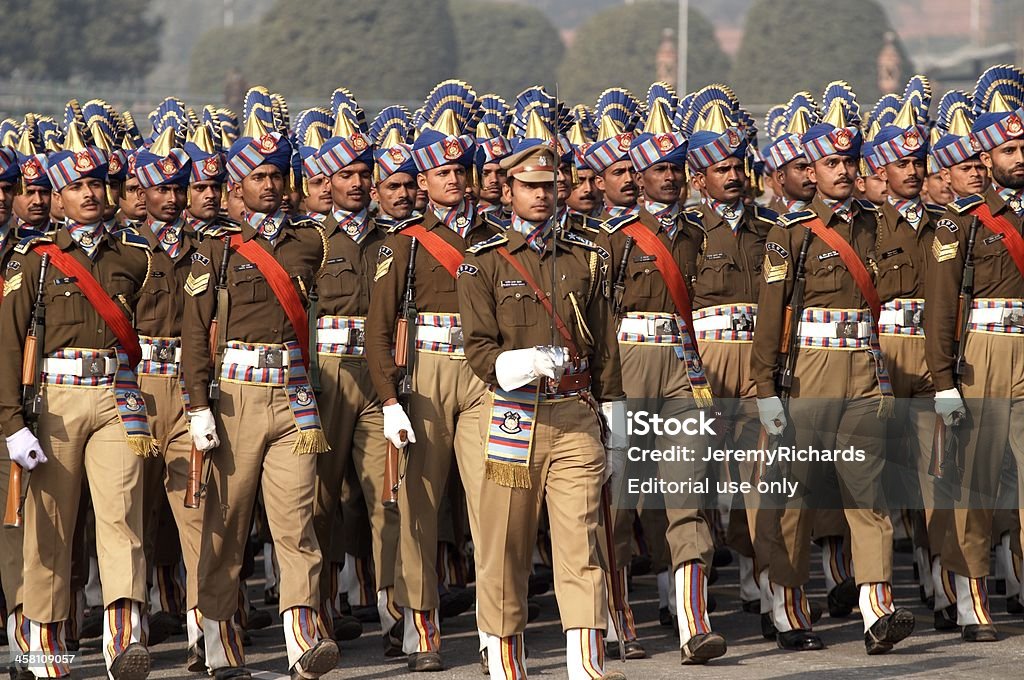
(517, 367)
(950, 406)
(396, 422)
(25, 450)
(203, 428)
(772, 415)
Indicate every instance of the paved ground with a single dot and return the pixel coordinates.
(926, 654)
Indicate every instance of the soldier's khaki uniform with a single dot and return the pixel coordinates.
(992, 387)
(260, 441)
(444, 408)
(81, 432)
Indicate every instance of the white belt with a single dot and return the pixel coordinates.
(257, 358)
(161, 354)
(848, 330)
(448, 335)
(661, 325)
(998, 316)
(723, 322)
(81, 368)
(350, 337)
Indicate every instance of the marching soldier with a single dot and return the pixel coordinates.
(394, 171)
(267, 427)
(547, 440)
(981, 231)
(784, 158)
(206, 184)
(585, 198)
(836, 235)
(32, 204)
(491, 148)
(958, 158)
(446, 396)
(92, 413)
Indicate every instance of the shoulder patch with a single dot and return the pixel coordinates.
(693, 217)
(962, 205)
(26, 243)
(934, 209)
(796, 217)
(384, 252)
(130, 237)
(495, 221)
(777, 249)
(947, 223)
(774, 272)
(470, 269)
(616, 223)
(302, 221)
(196, 285)
(487, 244)
(12, 284)
(591, 224)
(765, 214)
(13, 266)
(944, 252)
(866, 205)
(200, 258)
(402, 224)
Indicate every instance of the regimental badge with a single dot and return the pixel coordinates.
(358, 142)
(169, 237)
(452, 148)
(543, 161)
(497, 147)
(624, 140)
(774, 272)
(733, 138)
(132, 401)
(911, 140)
(131, 163)
(665, 143)
(1013, 125)
(842, 139)
(211, 166)
(169, 165)
(87, 240)
(510, 425)
(84, 161)
(944, 252)
(267, 143)
(113, 167)
(32, 170)
(397, 154)
(975, 145)
(12, 284)
(302, 396)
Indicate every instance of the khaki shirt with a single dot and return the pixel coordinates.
(345, 282)
(434, 289)
(162, 301)
(729, 264)
(120, 265)
(828, 282)
(501, 311)
(995, 276)
(254, 314)
(903, 253)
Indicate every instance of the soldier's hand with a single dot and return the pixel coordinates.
(203, 428)
(397, 422)
(25, 450)
(950, 406)
(517, 367)
(772, 415)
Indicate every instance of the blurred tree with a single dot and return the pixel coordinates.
(792, 45)
(617, 47)
(93, 39)
(387, 49)
(530, 46)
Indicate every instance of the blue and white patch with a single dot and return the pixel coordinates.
(200, 258)
(384, 253)
(13, 266)
(772, 246)
(470, 269)
(947, 223)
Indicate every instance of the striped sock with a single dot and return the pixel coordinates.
(300, 631)
(422, 632)
(944, 585)
(790, 609)
(875, 602)
(223, 643)
(122, 625)
(48, 638)
(691, 601)
(506, 659)
(584, 653)
(972, 606)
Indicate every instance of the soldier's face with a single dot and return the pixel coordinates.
(445, 186)
(263, 189)
(83, 200)
(618, 183)
(533, 201)
(166, 202)
(32, 205)
(204, 200)
(1006, 163)
(350, 187)
(396, 195)
(563, 181)
(936, 189)
(969, 177)
(834, 176)
(905, 177)
(723, 181)
(585, 196)
(871, 188)
(661, 182)
(319, 198)
(795, 181)
(133, 200)
(6, 201)
(491, 181)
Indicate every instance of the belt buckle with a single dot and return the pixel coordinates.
(742, 322)
(455, 336)
(1013, 317)
(847, 330)
(666, 327)
(94, 368)
(355, 337)
(164, 354)
(913, 318)
(271, 358)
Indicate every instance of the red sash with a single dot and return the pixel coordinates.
(666, 264)
(1011, 237)
(282, 286)
(444, 252)
(853, 263)
(544, 300)
(101, 301)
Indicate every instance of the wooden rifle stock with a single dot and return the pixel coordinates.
(194, 483)
(402, 343)
(12, 511)
(389, 491)
(29, 359)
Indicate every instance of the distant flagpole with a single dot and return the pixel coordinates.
(682, 36)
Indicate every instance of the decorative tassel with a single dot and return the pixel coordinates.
(887, 406)
(311, 441)
(703, 397)
(508, 474)
(143, 446)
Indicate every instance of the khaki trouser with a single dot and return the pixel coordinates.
(836, 407)
(354, 425)
(654, 379)
(11, 541)
(81, 433)
(257, 434)
(444, 409)
(993, 389)
(567, 468)
(170, 427)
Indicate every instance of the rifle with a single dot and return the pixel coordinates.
(199, 463)
(31, 398)
(405, 359)
(789, 343)
(946, 462)
(619, 287)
